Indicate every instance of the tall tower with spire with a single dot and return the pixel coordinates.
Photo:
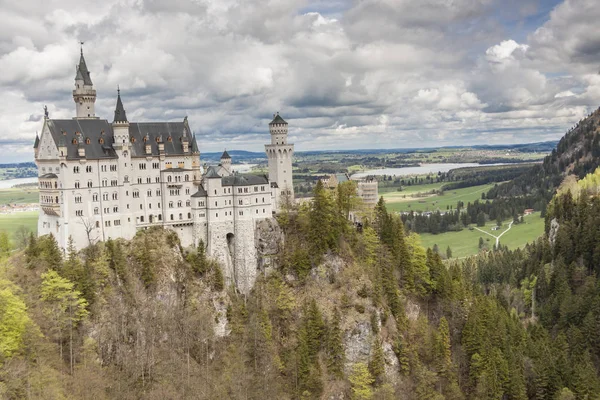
(84, 94)
(280, 154)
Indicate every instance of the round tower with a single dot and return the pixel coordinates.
(84, 94)
(280, 154)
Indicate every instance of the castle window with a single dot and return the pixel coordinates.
(101, 141)
(169, 139)
(240, 201)
(215, 203)
(160, 217)
(262, 188)
(256, 188)
(74, 141)
(188, 203)
(241, 213)
(189, 215)
(75, 170)
(77, 199)
(117, 222)
(263, 210)
(263, 199)
(180, 216)
(169, 178)
(187, 177)
(148, 180)
(217, 215)
(104, 182)
(96, 210)
(257, 211)
(158, 192)
(149, 193)
(142, 218)
(97, 224)
(170, 204)
(179, 203)
(115, 209)
(126, 179)
(105, 196)
(157, 179)
(132, 140)
(215, 191)
(87, 141)
(113, 168)
(158, 205)
(95, 197)
(136, 194)
(103, 168)
(88, 168)
(187, 191)
(114, 183)
(115, 196)
(79, 213)
(141, 206)
(77, 185)
(171, 217)
(140, 180)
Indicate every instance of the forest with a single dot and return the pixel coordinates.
(344, 312)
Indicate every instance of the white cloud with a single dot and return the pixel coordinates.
(373, 73)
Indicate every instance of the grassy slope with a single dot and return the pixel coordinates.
(465, 242)
(19, 196)
(11, 222)
(396, 202)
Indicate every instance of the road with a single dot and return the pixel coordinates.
(494, 236)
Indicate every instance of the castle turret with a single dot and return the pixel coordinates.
(84, 94)
(280, 155)
(120, 125)
(226, 161)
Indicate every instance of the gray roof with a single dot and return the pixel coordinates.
(201, 192)
(82, 68)
(120, 115)
(195, 145)
(225, 155)
(37, 141)
(49, 176)
(277, 120)
(96, 129)
(211, 173)
(153, 130)
(244, 180)
(175, 170)
(63, 132)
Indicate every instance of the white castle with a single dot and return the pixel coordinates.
(101, 180)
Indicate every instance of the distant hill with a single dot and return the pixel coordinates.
(577, 153)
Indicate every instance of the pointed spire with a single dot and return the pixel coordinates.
(82, 71)
(194, 145)
(37, 141)
(120, 115)
(225, 155)
(277, 119)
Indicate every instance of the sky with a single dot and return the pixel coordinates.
(344, 74)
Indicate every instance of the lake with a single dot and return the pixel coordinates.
(12, 182)
(420, 170)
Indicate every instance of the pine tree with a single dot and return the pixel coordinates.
(51, 254)
(335, 347)
(377, 361)
(4, 245)
(360, 381)
(323, 231)
(444, 355)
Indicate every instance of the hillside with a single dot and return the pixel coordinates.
(344, 314)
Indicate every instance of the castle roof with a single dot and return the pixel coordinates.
(225, 155)
(195, 145)
(244, 180)
(277, 120)
(120, 115)
(83, 72)
(201, 192)
(64, 131)
(37, 141)
(49, 176)
(212, 173)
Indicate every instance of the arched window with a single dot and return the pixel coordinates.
(171, 217)
(179, 203)
(169, 178)
(180, 216)
(189, 215)
(187, 177)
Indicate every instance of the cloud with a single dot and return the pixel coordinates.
(346, 74)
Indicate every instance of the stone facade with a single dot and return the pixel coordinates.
(101, 180)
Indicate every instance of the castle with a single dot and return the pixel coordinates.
(101, 180)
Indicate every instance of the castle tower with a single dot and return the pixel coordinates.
(226, 161)
(84, 94)
(280, 154)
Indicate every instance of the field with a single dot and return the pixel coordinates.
(407, 200)
(19, 196)
(11, 222)
(466, 242)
